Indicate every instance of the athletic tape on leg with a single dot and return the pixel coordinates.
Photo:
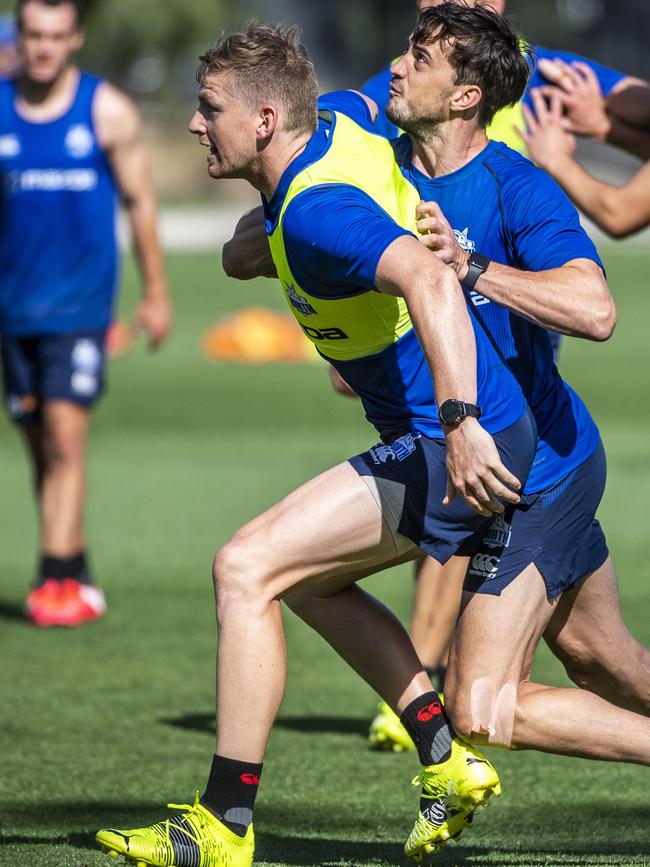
(493, 713)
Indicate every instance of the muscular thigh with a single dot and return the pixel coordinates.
(588, 617)
(491, 653)
(330, 526)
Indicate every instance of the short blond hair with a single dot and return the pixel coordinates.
(268, 63)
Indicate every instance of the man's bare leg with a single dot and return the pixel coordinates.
(331, 526)
(490, 701)
(436, 604)
(62, 490)
(588, 635)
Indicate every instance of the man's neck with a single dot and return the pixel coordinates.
(451, 146)
(41, 100)
(266, 172)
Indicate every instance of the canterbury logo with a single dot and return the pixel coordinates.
(427, 713)
(250, 779)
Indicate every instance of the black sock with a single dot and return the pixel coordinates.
(425, 721)
(59, 568)
(230, 793)
(437, 673)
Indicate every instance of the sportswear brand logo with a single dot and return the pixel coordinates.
(299, 301)
(484, 566)
(436, 812)
(426, 714)
(250, 779)
(398, 450)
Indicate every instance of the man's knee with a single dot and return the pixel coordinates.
(483, 712)
(240, 574)
(64, 440)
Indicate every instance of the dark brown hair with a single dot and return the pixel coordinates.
(482, 48)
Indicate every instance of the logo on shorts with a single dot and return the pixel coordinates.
(498, 533)
(299, 302)
(484, 566)
(79, 141)
(84, 384)
(398, 450)
(9, 145)
(86, 356)
(19, 407)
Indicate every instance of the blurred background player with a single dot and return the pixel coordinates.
(69, 143)
(619, 211)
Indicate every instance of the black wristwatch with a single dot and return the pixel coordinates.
(477, 265)
(453, 411)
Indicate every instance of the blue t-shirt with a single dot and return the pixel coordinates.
(334, 237)
(377, 86)
(58, 252)
(504, 207)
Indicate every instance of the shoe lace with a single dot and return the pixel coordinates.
(433, 787)
(191, 815)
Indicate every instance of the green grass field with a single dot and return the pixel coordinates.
(104, 725)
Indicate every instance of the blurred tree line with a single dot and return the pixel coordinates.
(150, 48)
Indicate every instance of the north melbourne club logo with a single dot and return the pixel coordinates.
(9, 146)
(398, 450)
(79, 141)
(498, 533)
(299, 301)
(466, 243)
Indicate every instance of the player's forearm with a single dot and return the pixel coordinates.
(247, 254)
(573, 299)
(443, 325)
(631, 104)
(142, 216)
(601, 202)
(632, 139)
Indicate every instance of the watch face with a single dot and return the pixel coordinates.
(450, 412)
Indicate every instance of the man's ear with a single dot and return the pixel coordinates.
(466, 97)
(267, 121)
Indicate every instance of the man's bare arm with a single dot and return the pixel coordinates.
(619, 211)
(120, 134)
(621, 119)
(573, 299)
(247, 254)
(439, 313)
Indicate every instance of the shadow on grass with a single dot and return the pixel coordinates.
(320, 848)
(13, 611)
(204, 722)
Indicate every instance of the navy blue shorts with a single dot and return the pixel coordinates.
(52, 367)
(408, 477)
(557, 531)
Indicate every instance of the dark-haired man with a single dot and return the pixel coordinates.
(68, 144)
(340, 221)
(626, 98)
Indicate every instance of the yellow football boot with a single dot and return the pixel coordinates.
(388, 733)
(452, 791)
(194, 839)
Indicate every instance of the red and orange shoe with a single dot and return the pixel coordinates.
(79, 603)
(43, 603)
